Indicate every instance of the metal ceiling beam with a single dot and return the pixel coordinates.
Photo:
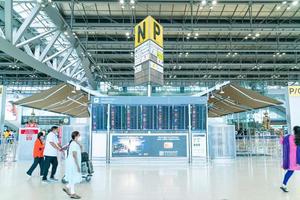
(16, 72)
(128, 56)
(208, 65)
(63, 61)
(9, 49)
(202, 50)
(56, 54)
(86, 65)
(201, 27)
(174, 1)
(179, 44)
(49, 45)
(26, 23)
(56, 17)
(8, 8)
(35, 38)
(213, 72)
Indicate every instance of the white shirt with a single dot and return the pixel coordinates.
(49, 149)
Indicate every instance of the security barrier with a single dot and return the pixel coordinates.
(258, 145)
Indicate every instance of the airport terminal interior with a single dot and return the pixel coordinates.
(150, 100)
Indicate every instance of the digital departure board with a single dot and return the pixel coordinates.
(148, 117)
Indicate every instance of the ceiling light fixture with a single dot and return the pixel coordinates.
(222, 92)
(203, 2)
(295, 2)
(214, 2)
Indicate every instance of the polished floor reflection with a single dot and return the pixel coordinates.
(242, 179)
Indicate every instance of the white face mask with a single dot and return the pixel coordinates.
(79, 139)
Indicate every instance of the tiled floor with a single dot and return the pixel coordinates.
(242, 179)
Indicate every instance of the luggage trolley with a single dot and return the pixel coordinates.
(87, 169)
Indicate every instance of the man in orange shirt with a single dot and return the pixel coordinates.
(38, 154)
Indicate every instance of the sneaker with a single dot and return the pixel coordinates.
(45, 181)
(75, 196)
(53, 180)
(284, 189)
(29, 175)
(67, 191)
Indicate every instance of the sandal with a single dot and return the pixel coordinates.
(66, 190)
(75, 196)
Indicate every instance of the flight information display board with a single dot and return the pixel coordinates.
(147, 116)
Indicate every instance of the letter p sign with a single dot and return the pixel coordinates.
(294, 91)
(148, 29)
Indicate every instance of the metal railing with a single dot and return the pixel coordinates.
(258, 145)
(8, 147)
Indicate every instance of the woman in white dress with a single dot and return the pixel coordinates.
(73, 166)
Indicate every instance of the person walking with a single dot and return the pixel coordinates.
(291, 155)
(73, 165)
(52, 147)
(38, 154)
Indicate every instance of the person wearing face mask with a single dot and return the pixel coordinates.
(38, 154)
(52, 147)
(73, 165)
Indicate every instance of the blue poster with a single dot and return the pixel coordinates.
(149, 146)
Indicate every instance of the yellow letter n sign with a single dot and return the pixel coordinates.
(148, 29)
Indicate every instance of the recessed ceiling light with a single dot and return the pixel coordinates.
(295, 2)
(203, 2)
(214, 2)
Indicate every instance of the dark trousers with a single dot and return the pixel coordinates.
(37, 161)
(53, 161)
